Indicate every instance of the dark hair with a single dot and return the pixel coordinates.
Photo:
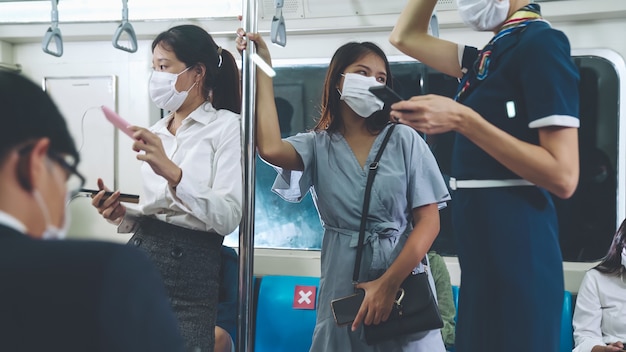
(612, 262)
(345, 56)
(28, 113)
(193, 45)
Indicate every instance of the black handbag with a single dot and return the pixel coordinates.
(415, 308)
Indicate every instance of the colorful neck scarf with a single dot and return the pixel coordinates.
(520, 19)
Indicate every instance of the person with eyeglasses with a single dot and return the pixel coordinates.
(64, 295)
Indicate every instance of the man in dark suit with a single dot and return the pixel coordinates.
(64, 295)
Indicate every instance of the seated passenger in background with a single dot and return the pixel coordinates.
(441, 276)
(64, 295)
(226, 324)
(600, 314)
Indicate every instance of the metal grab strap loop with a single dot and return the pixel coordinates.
(53, 32)
(278, 32)
(125, 27)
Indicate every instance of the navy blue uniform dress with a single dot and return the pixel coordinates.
(512, 276)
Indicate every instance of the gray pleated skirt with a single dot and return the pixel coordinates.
(189, 262)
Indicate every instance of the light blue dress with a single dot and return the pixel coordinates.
(408, 177)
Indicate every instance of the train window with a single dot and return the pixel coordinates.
(277, 223)
(587, 220)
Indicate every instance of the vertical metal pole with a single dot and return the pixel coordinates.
(246, 228)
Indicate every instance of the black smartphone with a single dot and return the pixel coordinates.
(124, 197)
(345, 308)
(386, 94)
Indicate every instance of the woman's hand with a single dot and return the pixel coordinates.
(377, 304)
(154, 155)
(261, 47)
(110, 208)
(431, 114)
(612, 347)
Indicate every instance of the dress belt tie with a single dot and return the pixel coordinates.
(455, 184)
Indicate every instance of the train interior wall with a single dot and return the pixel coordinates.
(88, 52)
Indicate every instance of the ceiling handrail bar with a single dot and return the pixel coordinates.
(11, 67)
(53, 32)
(125, 27)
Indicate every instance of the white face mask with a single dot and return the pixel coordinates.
(52, 232)
(163, 90)
(357, 95)
(483, 15)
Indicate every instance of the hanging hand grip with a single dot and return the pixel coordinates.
(278, 32)
(53, 33)
(125, 27)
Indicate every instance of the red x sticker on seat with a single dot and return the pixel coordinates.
(304, 297)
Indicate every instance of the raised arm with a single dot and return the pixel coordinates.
(269, 143)
(410, 36)
(549, 81)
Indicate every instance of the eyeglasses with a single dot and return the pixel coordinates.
(75, 181)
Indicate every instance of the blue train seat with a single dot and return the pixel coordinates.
(286, 312)
(566, 336)
(567, 332)
(455, 298)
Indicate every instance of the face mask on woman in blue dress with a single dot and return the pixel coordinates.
(356, 94)
(483, 15)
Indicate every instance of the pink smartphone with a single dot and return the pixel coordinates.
(117, 121)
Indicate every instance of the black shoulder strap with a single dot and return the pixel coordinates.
(373, 168)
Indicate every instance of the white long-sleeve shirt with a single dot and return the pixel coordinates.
(600, 313)
(207, 147)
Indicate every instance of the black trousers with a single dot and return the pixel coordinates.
(189, 262)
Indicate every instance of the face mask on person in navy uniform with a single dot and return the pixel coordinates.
(483, 15)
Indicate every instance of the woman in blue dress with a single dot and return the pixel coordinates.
(516, 119)
(332, 162)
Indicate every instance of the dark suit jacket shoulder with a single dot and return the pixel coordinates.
(81, 296)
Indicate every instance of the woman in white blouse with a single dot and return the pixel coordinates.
(191, 175)
(600, 314)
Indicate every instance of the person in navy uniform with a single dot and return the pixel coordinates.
(516, 117)
(64, 295)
